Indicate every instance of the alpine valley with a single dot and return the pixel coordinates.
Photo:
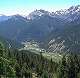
(41, 45)
(54, 31)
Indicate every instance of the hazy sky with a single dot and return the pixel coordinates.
(24, 7)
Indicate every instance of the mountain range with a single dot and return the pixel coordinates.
(58, 31)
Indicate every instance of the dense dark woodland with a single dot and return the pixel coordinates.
(26, 64)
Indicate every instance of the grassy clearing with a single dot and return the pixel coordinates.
(56, 57)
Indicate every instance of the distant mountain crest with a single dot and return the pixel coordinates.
(4, 17)
(37, 13)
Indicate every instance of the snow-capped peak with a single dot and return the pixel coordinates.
(37, 13)
(73, 9)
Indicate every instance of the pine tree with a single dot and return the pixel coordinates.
(63, 70)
